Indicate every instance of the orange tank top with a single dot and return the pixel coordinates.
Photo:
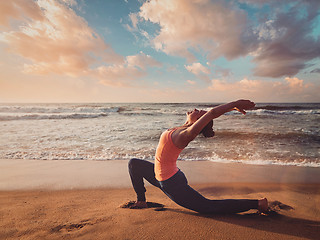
(166, 157)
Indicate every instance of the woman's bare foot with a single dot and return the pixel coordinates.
(140, 204)
(263, 205)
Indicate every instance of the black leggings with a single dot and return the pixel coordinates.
(178, 190)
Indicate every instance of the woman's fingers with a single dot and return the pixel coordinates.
(240, 110)
(243, 111)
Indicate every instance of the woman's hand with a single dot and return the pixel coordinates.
(242, 105)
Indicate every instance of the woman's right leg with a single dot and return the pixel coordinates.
(180, 192)
(139, 169)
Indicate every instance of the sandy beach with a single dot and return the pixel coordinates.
(81, 200)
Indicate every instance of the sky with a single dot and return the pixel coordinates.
(159, 51)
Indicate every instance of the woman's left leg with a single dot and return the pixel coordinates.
(139, 170)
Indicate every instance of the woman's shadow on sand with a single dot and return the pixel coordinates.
(275, 221)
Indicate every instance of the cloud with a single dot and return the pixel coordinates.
(295, 83)
(70, 2)
(122, 74)
(281, 42)
(223, 72)
(191, 82)
(259, 90)
(244, 86)
(216, 27)
(134, 19)
(142, 61)
(286, 43)
(316, 70)
(61, 42)
(197, 69)
(53, 39)
(204, 73)
(19, 9)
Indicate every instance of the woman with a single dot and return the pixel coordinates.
(165, 175)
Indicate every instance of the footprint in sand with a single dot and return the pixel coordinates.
(77, 226)
(277, 206)
(69, 227)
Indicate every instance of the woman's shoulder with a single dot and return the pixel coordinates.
(177, 129)
(178, 137)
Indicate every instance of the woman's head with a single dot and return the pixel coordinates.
(194, 115)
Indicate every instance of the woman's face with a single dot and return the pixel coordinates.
(194, 115)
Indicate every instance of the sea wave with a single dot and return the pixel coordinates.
(300, 135)
(8, 113)
(57, 109)
(288, 107)
(51, 116)
(285, 112)
(302, 163)
(299, 163)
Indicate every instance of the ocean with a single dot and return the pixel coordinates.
(272, 133)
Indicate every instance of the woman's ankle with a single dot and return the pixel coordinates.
(140, 204)
(263, 205)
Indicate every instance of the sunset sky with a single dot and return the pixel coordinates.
(159, 51)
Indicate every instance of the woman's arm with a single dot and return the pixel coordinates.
(187, 135)
(240, 106)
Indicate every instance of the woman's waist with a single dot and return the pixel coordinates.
(175, 180)
(161, 166)
(164, 171)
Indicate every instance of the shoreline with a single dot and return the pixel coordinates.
(19, 174)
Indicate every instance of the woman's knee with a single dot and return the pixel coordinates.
(136, 163)
(132, 162)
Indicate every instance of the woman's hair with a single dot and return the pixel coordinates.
(207, 131)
